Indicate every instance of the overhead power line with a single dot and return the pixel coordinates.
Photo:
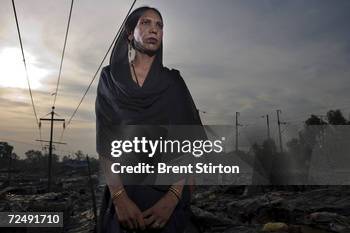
(25, 68)
(63, 52)
(116, 38)
(24, 62)
(99, 67)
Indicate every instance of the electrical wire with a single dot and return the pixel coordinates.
(25, 68)
(116, 38)
(63, 52)
(99, 67)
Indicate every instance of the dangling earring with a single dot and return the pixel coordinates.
(131, 52)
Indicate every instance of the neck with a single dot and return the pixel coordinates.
(143, 60)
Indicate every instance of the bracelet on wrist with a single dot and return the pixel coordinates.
(117, 194)
(175, 192)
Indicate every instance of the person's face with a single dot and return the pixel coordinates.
(148, 31)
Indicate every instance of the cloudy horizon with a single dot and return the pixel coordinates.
(251, 57)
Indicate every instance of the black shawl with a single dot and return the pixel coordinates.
(162, 100)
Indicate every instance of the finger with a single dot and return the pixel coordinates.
(147, 213)
(162, 224)
(156, 225)
(134, 223)
(124, 224)
(130, 224)
(149, 220)
(141, 222)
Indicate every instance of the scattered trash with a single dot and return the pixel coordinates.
(216, 209)
(275, 227)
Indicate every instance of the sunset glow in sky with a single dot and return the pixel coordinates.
(251, 57)
(12, 72)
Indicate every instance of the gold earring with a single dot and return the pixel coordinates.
(131, 53)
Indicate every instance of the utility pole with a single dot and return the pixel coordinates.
(237, 124)
(51, 143)
(93, 197)
(268, 125)
(279, 128)
(10, 167)
(323, 121)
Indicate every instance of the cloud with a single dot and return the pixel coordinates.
(248, 56)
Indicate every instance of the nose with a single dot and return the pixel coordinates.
(154, 29)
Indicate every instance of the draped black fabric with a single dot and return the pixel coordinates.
(162, 100)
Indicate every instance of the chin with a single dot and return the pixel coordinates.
(153, 48)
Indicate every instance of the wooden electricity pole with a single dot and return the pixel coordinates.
(52, 119)
(93, 197)
(279, 128)
(268, 125)
(237, 125)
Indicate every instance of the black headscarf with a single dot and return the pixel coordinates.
(162, 100)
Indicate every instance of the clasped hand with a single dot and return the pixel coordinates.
(131, 217)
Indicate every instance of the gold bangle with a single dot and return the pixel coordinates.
(175, 192)
(115, 195)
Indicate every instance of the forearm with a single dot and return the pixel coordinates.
(113, 181)
(179, 185)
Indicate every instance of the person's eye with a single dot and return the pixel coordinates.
(160, 25)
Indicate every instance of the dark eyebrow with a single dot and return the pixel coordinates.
(146, 18)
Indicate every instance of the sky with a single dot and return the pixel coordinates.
(247, 56)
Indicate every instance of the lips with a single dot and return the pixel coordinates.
(151, 40)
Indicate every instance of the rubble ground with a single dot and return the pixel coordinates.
(294, 209)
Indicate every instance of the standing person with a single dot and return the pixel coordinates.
(136, 89)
